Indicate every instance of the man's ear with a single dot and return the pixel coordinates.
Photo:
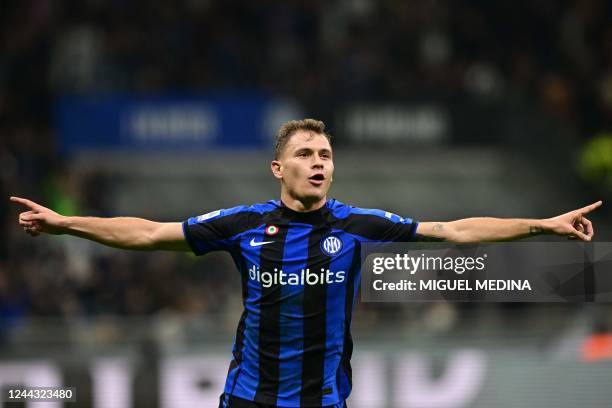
(277, 169)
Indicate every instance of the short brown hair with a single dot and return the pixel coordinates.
(289, 128)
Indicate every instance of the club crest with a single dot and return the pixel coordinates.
(331, 245)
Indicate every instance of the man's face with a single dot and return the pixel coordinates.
(305, 166)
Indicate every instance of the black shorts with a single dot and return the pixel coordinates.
(230, 401)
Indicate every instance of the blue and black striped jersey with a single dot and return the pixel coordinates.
(300, 275)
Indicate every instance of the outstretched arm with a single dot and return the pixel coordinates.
(121, 232)
(571, 224)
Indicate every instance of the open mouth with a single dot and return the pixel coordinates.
(316, 179)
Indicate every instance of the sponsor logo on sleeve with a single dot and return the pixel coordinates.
(208, 216)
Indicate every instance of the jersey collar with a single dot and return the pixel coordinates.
(314, 217)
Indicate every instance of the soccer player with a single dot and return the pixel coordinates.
(299, 259)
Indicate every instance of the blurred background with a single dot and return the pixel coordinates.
(165, 110)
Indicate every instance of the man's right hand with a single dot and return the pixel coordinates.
(39, 219)
(117, 232)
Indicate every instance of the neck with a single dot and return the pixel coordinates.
(301, 205)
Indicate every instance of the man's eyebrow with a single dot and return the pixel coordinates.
(310, 150)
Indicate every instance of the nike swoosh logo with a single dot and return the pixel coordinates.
(256, 244)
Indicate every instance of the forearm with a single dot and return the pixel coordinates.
(494, 229)
(120, 232)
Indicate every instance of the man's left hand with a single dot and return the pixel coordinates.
(573, 224)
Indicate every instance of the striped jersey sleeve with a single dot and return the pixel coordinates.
(218, 230)
(375, 225)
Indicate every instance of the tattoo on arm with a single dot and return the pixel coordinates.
(436, 228)
(533, 230)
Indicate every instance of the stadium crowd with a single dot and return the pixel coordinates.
(558, 53)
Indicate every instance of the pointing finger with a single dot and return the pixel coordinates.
(591, 207)
(28, 203)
